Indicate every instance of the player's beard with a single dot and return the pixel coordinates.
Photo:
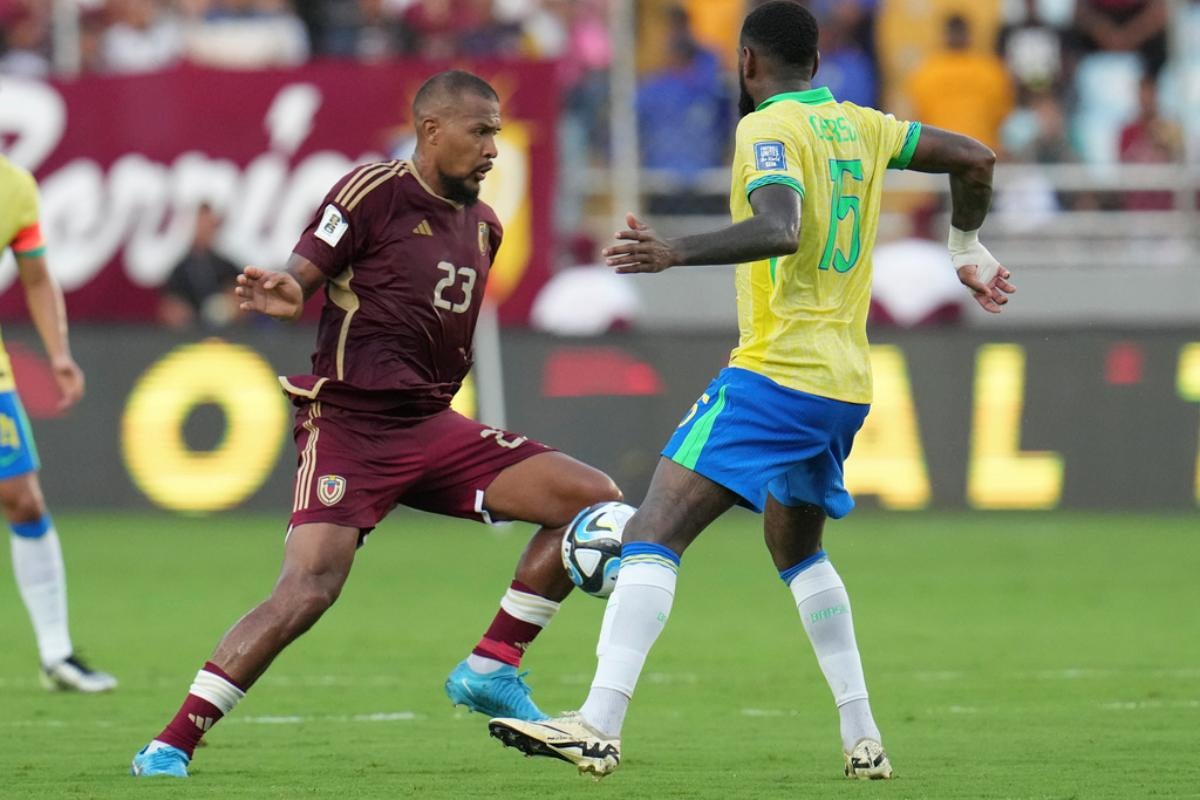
(456, 189)
(745, 101)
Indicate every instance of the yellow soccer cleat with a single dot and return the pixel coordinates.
(568, 738)
(868, 761)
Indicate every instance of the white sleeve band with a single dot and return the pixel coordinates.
(216, 690)
(529, 607)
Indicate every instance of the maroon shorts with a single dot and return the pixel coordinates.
(355, 467)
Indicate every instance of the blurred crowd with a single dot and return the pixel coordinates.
(1040, 81)
(132, 36)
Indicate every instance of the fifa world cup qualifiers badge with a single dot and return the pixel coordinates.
(333, 226)
(483, 238)
(769, 156)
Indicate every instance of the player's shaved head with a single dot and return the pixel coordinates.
(457, 117)
(785, 33)
(444, 91)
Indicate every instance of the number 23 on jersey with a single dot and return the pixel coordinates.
(445, 292)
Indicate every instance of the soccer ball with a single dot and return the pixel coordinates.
(591, 546)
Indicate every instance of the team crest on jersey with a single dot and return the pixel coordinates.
(330, 489)
(333, 226)
(483, 238)
(769, 156)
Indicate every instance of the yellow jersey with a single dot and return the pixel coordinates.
(803, 317)
(19, 229)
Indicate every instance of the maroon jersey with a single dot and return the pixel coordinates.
(407, 270)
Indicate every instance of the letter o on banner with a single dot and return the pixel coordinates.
(244, 386)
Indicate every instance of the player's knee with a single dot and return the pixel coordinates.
(597, 487)
(578, 490)
(306, 601)
(659, 522)
(24, 507)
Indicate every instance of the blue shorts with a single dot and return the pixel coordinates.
(753, 436)
(18, 453)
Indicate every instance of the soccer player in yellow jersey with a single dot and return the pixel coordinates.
(774, 428)
(36, 554)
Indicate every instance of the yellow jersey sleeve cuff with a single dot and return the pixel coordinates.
(766, 180)
(904, 157)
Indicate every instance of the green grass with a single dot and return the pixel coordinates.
(1009, 656)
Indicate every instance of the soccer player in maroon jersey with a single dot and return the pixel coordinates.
(403, 250)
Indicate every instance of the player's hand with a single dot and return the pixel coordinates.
(276, 294)
(69, 378)
(644, 251)
(989, 285)
(980, 272)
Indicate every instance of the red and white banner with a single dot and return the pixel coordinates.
(123, 162)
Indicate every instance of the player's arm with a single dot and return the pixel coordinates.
(774, 230)
(327, 246)
(45, 299)
(279, 294)
(969, 164)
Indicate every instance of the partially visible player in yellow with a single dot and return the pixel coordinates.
(36, 554)
(774, 429)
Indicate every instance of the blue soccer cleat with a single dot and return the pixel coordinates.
(495, 694)
(166, 760)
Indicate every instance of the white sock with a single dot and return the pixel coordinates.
(636, 614)
(824, 608)
(483, 665)
(41, 579)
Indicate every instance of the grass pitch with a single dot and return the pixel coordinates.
(1008, 656)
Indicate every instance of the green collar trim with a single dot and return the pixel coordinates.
(812, 97)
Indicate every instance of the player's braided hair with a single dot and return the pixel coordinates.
(450, 84)
(784, 30)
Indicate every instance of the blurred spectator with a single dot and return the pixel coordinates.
(575, 34)
(1131, 26)
(199, 291)
(142, 37)
(488, 37)
(368, 30)
(584, 297)
(1035, 134)
(1150, 139)
(913, 283)
(435, 27)
(846, 67)
(1033, 50)
(247, 34)
(961, 90)
(857, 18)
(26, 41)
(684, 114)
(378, 35)
(92, 26)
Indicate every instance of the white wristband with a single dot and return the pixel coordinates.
(966, 250)
(962, 241)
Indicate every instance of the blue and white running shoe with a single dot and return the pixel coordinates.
(502, 693)
(162, 759)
